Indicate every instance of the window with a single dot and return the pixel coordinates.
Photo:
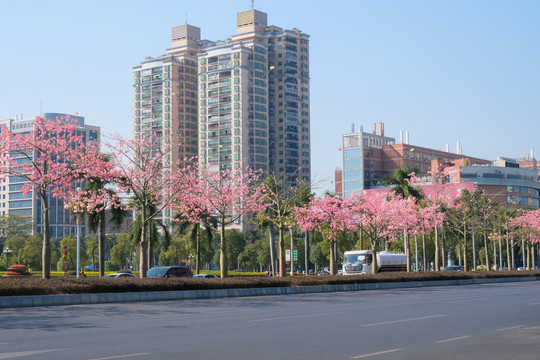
(352, 153)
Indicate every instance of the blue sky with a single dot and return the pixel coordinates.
(445, 71)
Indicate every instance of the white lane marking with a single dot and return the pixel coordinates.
(453, 339)
(405, 320)
(25, 353)
(120, 356)
(199, 314)
(375, 354)
(532, 304)
(467, 300)
(511, 328)
(297, 316)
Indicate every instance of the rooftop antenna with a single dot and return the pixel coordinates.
(185, 18)
(252, 5)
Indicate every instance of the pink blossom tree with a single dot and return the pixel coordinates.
(527, 226)
(226, 196)
(381, 214)
(143, 169)
(428, 218)
(441, 195)
(333, 217)
(50, 157)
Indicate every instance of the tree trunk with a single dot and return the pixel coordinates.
(306, 252)
(424, 260)
(198, 249)
(150, 245)
(282, 263)
(465, 246)
(406, 248)
(332, 257)
(224, 267)
(474, 250)
(374, 268)
(528, 256)
(487, 251)
(101, 243)
(437, 268)
(523, 253)
(143, 258)
(46, 251)
(500, 254)
(272, 247)
(508, 254)
(443, 250)
(143, 265)
(512, 253)
(291, 230)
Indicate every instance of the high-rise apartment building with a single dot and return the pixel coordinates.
(234, 103)
(13, 201)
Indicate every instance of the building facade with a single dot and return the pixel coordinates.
(14, 202)
(243, 102)
(503, 180)
(369, 158)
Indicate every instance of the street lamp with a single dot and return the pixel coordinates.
(78, 206)
(8, 252)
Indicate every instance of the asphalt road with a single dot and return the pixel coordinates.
(496, 321)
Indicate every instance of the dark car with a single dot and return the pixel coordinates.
(205, 276)
(169, 271)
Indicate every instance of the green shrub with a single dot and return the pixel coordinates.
(58, 285)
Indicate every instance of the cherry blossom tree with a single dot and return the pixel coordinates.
(226, 196)
(51, 158)
(333, 217)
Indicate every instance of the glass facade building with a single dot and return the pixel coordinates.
(12, 201)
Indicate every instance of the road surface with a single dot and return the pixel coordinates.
(491, 321)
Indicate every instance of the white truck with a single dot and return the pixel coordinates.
(360, 262)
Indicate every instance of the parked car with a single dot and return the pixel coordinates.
(169, 271)
(454, 268)
(117, 275)
(205, 276)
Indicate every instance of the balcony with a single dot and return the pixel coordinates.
(292, 123)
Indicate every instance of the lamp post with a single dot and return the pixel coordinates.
(78, 207)
(8, 252)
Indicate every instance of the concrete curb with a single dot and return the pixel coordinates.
(107, 298)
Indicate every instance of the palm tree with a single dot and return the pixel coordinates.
(283, 198)
(401, 183)
(155, 229)
(197, 230)
(97, 219)
(401, 186)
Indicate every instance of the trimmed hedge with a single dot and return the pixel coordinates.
(56, 286)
